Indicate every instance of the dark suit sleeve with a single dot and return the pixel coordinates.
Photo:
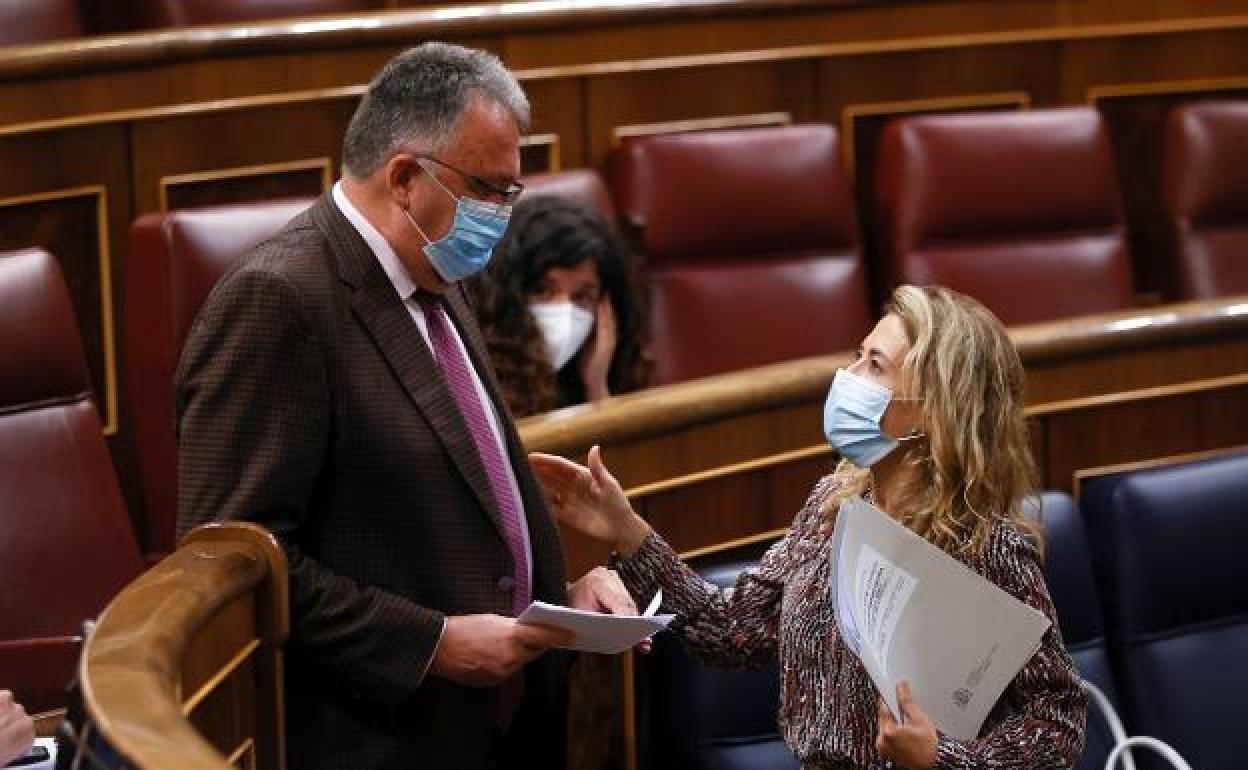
(254, 422)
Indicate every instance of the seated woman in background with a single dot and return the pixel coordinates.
(17, 730)
(929, 423)
(560, 310)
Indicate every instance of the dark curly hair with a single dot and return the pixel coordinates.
(551, 232)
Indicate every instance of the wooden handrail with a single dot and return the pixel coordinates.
(131, 668)
(377, 28)
(663, 410)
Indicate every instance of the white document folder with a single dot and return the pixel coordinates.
(910, 611)
(596, 631)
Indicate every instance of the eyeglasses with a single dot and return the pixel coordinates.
(481, 187)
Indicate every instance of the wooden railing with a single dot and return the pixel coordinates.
(184, 667)
(731, 458)
(96, 132)
(734, 455)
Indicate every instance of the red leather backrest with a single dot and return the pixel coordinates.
(37, 21)
(181, 13)
(1018, 209)
(750, 243)
(736, 193)
(1205, 178)
(582, 185)
(175, 260)
(66, 544)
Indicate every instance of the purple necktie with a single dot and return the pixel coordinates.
(458, 372)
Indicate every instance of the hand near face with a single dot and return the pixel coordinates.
(595, 358)
(912, 744)
(17, 729)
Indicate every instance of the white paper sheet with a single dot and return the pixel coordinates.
(596, 631)
(30, 760)
(910, 611)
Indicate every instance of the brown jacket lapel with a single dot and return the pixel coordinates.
(381, 312)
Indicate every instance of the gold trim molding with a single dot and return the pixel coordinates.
(322, 164)
(1164, 88)
(754, 120)
(246, 749)
(242, 656)
(550, 141)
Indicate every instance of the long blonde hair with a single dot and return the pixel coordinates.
(975, 464)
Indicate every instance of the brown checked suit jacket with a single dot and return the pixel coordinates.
(309, 402)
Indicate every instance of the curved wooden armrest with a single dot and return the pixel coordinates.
(131, 671)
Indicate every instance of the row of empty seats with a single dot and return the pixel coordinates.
(1147, 573)
(67, 545)
(753, 232)
(37, 21)
(749, 238)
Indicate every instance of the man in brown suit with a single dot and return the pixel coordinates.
(335, 388)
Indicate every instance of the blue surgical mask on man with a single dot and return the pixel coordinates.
(467, 247)
(851, 419)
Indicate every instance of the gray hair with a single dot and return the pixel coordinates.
(420, 96)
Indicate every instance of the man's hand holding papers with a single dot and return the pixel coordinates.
(596, 631)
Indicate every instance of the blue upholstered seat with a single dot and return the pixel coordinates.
(709, 719)
(1170, 547)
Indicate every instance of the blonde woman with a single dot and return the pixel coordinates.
(929, 421)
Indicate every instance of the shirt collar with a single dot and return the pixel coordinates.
(390, 263)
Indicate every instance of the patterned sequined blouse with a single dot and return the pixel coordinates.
(828, 712)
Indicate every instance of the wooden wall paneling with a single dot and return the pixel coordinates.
(557, 107)
(246, 152)
(864, 25)
(717, 123)
(188, 82)
(705, 514)
(739, 89)
(540, 153)
(74, 202)
(697, 448)
(1136, 426)
(1151, 366)
(266, 181)
(1136, 116)
(1084, 475)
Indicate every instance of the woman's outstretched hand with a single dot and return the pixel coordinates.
(590, 500)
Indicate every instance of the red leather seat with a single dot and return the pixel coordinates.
(183, 13)
(66, 543)
(582, 185)
(1205, 178)
(37, 21)
(175, 260)
(1019, 209)
(750, 244)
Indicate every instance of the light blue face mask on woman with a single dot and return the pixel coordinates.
(467, 247)
(851, 419)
